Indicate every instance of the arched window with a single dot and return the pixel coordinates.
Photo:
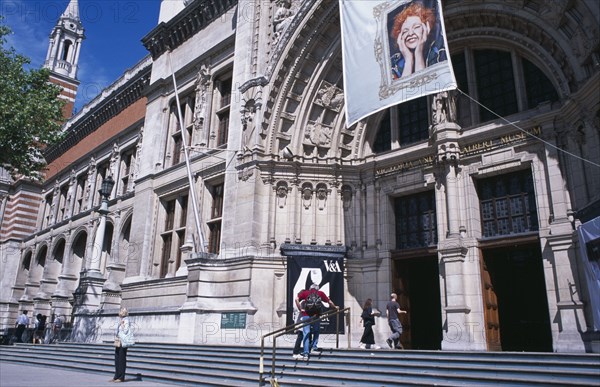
(66, 50)
(502, 81)
(27, 261)
(403, 124)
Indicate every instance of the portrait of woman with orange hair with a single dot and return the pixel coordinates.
(416, 38)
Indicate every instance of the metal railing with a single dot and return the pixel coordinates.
(290, 329)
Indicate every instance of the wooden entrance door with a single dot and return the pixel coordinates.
(491, 314)
(402, 290)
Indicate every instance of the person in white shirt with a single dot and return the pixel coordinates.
(21, 324)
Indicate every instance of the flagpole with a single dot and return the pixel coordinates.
(187, 160)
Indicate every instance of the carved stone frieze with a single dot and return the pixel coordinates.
(317, 134)
(306, 195)
(330, 96)
(281, 191)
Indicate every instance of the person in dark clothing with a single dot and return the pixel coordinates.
(40, 327)
(21, 324)
(392, 311)
(368, 320)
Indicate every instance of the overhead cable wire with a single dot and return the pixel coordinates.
(529, 133)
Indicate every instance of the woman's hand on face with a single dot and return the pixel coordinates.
(422, 35)
(421, 48)
(405, 51)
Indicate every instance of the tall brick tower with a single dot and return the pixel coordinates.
(63, 54)
(20, 199)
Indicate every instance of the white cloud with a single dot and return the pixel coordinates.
(31, 22)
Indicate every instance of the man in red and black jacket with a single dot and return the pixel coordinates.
(314, 326)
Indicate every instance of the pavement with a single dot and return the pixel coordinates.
(17, 375)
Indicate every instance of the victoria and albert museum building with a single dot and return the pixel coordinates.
(217, 177)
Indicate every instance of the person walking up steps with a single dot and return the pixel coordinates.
(392, 310)
(297, 353)
(313, 300)
(21, 324)
(367, 341)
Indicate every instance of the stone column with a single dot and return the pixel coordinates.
(111, 290)
(92, 282)
(560, 263)
(67, 283)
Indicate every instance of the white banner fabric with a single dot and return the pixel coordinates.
(589, 242)
(393, 51)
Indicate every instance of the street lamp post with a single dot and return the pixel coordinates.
(105, 189)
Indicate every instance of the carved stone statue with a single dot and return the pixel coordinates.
(114, 160)
(91, 175)
(282, 18)
(443, 108)
(202, 83)
(281, 192)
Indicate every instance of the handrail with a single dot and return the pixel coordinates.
(290, 329)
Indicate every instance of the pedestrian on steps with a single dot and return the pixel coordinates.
(392, 311)
(367, 341)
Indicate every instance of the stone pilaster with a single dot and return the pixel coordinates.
(564, 302)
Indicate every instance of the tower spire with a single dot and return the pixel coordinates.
(72, 11)
(62, 58)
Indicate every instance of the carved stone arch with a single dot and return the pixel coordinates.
(25, 266)
(104, 251)
(53, 268)
(76, 233)
(126, 249)
(510, 41)
(126, 216)
(366, 138)
(283, 123)
(77, 252)
(36, 269)
(41, 254)
(55, 250)
(498, 25)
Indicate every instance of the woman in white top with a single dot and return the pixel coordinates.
(125, 340)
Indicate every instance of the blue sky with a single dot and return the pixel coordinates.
(113, 30)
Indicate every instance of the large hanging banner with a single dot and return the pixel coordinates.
(328, 273)
(589, 242)
(393, 51)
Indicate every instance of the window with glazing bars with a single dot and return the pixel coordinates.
(507, 204)
(415, 221)
(214, 224)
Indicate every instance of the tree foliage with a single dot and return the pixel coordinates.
(30, 112)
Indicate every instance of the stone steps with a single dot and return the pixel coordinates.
(228, 365)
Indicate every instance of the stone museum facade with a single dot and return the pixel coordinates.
(465, 203)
